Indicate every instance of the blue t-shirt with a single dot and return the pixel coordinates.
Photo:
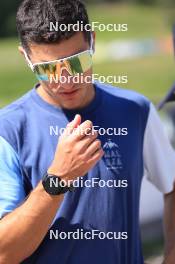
(28, 139)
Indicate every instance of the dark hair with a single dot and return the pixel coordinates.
(34, 17)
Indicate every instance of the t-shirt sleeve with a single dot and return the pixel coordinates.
(158, 154)
(11, 184)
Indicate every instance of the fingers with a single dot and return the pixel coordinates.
(86, 141)
(72, 125)
(93, 147)
(96, 157)
(77, 120)
(83, 130)
(78, 130)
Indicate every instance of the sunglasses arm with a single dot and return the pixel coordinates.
(91, 45)
(28, 60)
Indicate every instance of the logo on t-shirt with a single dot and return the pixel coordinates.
(112, 156)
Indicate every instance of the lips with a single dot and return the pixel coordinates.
(68, 93)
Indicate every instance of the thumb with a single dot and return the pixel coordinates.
(73, 124)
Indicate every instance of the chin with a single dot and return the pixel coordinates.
(71, 106)
(73, 103)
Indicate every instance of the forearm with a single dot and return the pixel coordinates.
(169, 228)
(22, 231)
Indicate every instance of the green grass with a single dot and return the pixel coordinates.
(153, 248)
(142, 21)
(16, 78)
(152, 75)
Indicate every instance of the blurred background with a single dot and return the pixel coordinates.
(144, 53)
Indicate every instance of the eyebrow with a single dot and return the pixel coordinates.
(79, 51)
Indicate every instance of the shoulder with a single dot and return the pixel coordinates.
(15, 107)
(124, 96)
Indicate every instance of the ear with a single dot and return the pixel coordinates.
(94, 38)
(21, 50)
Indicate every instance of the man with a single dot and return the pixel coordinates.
(35, 207)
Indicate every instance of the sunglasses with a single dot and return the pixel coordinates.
(75, 64)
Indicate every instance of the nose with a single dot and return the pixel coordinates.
(66, 81)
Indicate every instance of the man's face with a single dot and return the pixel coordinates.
(69, 95)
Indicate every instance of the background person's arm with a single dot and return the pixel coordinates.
(169, 227)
